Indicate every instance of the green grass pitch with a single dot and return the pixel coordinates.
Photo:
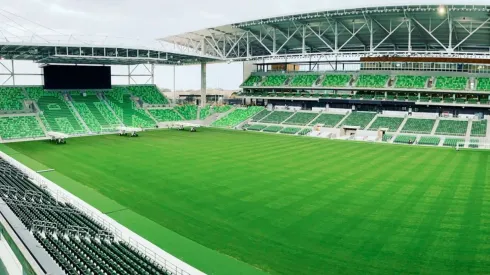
(251, 203)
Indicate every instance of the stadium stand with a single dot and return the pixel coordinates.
(336, 80)
(304, 132)
(479, 128)
(165, 115)
(274, 80)
(57, 115)
(301, 118)
(34, 92)
(303, 80)
(11, 98)
(392, 123)
(483, 84)
(222, 108)
(452, 142)
(256, 127)
(452, 127)
(290, 130)
(237, 116)
(148, 94)
(94, 112)
(20, 127)
(277, 117)
(405, 139)
(387, 137)
(188, 112)
(411, 81)
(451, 83)
(125, 109)
(328, 120)
(273, 129)
(429, 140)
(204, 112)
(372, 80)
(360, 119)
(252, 80)
(77, 243)
(418, 126)
(261, 115)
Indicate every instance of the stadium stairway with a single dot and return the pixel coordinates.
(371, 122)
(401, 126)
(315, 118)
(436, 124)
(150, 115)
(270, 112)
(103, 100)
(77, 114)
(215, 116)
(41, 124)
(468, 130)
(342, 120)
(292, 114)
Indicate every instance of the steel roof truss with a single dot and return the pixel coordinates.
(429, 32)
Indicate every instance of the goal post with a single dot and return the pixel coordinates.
(473, 145)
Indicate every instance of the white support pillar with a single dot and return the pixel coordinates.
(13, 72)
(175, 99)
(203, 84)
(152, 73)
(129, 74)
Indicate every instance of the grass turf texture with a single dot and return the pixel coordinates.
(277, 203)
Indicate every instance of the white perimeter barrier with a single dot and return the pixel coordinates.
(121, 233)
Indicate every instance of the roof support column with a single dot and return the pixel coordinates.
(13, 73)
(450, 22)
(203, 84)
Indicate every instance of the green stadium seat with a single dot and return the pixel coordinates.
(290, 130)
(452, 127)
(392, 123)
(451, 83)
(252, 80)
(411, 82)
(418, 126)
(479, 128)
(125, 109)
(273, 129)
(301, 118)
(277, 117)
(303, 80)
(372, 81)
(452, 142)
(387, 137)
(360, 119)
(328, 120)
(188, 112)
(96, 114)
(165, 115)
(406, 139)
(429, 140)
(11, 98)
(261, 115)
(17, 127)
(275, 80)
(237, 116)
(483, 84)
(336, 80)
(256, 127)
(304, 132)
(148, 94)
(57, 115)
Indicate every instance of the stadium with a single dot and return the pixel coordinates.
(357, 143)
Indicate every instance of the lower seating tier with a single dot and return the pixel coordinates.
(165, 115)
(360, 119)
(405, 139)
(452, 127)
(328, 120)
(301, 118)
(429, 140)
(418, 126)
(392, 123)
(479, 128)
(277, 117)
(237, 116)
(17, 127)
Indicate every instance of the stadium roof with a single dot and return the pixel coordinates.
(390, 30)
(22, 39)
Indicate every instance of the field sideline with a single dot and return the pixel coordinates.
(284, 204)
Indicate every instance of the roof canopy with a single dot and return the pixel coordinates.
(392, 30)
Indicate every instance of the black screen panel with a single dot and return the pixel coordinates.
(63, 77)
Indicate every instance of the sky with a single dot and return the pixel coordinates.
(151, 19)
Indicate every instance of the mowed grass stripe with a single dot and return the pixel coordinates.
(295, 205)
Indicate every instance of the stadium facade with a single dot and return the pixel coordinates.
(399, 74)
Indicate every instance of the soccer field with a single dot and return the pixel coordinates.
(247, 203)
